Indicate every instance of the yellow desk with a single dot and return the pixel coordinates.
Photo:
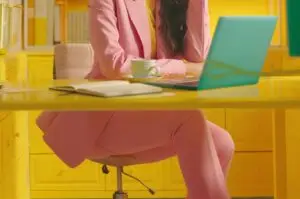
(271, 92)
(277, 93)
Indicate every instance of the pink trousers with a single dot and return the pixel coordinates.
(204, 150)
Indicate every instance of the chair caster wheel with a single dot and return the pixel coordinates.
(120, 195)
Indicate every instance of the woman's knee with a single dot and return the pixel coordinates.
(223, 141)
(193, 124)
(229, 147)
(225, 151)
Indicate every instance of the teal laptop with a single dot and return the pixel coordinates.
(236, 56)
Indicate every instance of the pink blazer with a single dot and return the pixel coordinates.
(119, 32)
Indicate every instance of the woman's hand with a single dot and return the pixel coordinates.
(194, 69)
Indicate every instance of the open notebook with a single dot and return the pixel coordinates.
(109, 88)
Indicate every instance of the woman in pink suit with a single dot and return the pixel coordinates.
(169, 31)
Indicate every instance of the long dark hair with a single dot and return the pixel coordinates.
(173, 15)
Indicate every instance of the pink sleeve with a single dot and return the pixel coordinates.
(197, 40)
(104, 37)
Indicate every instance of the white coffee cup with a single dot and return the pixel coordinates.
(141, 68)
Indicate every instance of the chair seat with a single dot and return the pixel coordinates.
(117, 161)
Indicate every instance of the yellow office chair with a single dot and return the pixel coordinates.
(74, 61)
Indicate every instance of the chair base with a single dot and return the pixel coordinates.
(120, 195)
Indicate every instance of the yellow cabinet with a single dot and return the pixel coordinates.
(251, 175)
(251, 129)
(49, 173)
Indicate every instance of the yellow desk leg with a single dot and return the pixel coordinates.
(279, 154)
(286, 154)
(293, 153)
